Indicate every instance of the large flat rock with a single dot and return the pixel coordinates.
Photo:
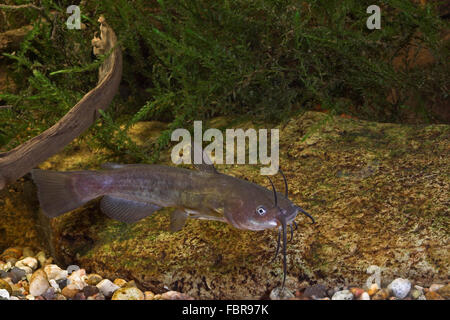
(379, 193)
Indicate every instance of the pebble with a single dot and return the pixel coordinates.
(357, 292)
(107, 288)
(76, 280)
(15, 253)
(93, 279)
(381, 294)
(4, 294)
(72, 268)
(364, 296)
(54, 285)
(175, 295)
(373, 289)
(148, 295)
(330, 292)
(98, 296)
(4, 285)
(444, 291)
(79, 296)
(28, 262)
(435, 287)
(55, 273)
(17, 274)
(69, 293)
(415, 293)
(342, 295)
(40, 256)
(38, 283)
(120, 282)
(278, 294)
(316, 291)
(49, 294)
(130, 293)
(400, 287)
(90, 290)
(433, 295)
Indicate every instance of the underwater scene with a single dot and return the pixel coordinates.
(224, 150)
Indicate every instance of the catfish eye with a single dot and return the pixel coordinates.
(261, 210)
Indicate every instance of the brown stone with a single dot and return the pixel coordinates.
(444, 291)
(15, 253)
(433, 295)
(382, 294)
(69, 293)
(93, 279)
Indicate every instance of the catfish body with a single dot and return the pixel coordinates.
(133, 192)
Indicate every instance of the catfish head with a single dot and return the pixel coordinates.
(252, 207)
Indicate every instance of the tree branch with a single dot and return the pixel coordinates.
(20, 160)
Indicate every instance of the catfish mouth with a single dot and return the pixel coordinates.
(284, 220)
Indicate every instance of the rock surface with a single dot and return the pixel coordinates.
(379, 194)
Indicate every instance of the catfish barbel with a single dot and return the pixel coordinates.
(134, 191)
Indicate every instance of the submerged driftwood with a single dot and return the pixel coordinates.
(379, 193)
(20, 160)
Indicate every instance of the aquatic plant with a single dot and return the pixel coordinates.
(186, 60)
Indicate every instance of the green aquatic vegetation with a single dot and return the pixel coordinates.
(194, 60)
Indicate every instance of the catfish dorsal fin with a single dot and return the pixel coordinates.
(207, 164)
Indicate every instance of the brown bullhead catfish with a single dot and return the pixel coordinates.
(135, 191)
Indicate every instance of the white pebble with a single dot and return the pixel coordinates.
(364, 296)
(28, 262)
(4, 294)
(54, 285)
(76, 280)
(54, 272)
(39, 283)
(107, 288)
(342, 295)
(400, 287)
(435, 287)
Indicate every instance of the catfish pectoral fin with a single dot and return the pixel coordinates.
(177, 220)
(126, 210)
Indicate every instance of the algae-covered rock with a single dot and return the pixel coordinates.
(18, 215)
(379, 194)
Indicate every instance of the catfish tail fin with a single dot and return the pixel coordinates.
(60, 192)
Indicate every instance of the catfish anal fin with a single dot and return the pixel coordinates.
(126, 210)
